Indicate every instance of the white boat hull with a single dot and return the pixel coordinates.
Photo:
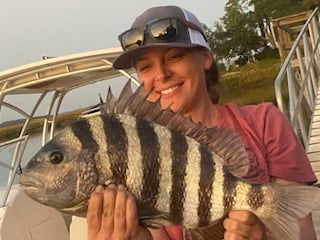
(24, 219)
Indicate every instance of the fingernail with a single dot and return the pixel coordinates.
(99, 189)
(122, 187)
(111, 186)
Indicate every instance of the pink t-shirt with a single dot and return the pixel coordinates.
(273, 147)
(272, 144)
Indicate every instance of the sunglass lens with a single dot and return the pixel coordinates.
(132, 38)
(165, 29)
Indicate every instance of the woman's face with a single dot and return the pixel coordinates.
(176, 75)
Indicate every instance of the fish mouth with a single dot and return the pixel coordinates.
(29, 183)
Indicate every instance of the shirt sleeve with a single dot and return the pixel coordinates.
(285, 154)
(175, 232)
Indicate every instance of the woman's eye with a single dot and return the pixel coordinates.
(175, 57)
(141, 67)
(144, 68)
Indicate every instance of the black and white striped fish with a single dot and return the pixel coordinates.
(179, 172)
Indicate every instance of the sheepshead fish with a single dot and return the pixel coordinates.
(179, 172)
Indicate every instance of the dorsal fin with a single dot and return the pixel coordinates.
(108, 106)
(226, 143)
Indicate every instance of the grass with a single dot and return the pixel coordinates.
(252, 73)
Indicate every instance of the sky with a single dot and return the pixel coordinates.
(30, 29)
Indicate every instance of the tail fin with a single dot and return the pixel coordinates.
(284, 206)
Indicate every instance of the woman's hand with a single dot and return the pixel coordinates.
(112, 215)
(243, 225)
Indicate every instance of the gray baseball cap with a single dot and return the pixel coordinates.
(190, 34)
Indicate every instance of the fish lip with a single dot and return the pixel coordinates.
(30, 183)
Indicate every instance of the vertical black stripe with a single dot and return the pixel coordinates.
(150, 148)
(229, 189)
(117, 148)
(179, 148)
(81, 129)
(207, 171)
(255, 196)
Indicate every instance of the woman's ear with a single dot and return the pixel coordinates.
(208, 59)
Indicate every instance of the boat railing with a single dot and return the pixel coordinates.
(297, 89)
(47, 82)
(10, 163)
(296, 85)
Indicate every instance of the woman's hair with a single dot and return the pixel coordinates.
(212, 82)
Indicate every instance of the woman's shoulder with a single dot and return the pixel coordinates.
(252, 108)
(254, 113)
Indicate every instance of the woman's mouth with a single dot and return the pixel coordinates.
(169, 90)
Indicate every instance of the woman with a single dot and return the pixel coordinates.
(167, 47)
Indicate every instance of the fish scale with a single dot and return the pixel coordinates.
(165, 182)
(192, 180)
(179, 172)
(134, 167)
(207, 174)
(149, 142)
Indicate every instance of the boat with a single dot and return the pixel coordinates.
(48, 82)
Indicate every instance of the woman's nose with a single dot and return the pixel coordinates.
(162, 72)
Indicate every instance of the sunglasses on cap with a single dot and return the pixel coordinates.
(161, 30)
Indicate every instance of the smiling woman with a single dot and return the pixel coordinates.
(177, 93)
(179, 71)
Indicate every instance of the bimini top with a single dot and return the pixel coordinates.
(60, 73)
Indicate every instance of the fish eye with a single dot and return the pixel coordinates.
(56, 157)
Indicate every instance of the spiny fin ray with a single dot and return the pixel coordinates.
(224, 142)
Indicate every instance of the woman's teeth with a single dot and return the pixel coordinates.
(169, 90)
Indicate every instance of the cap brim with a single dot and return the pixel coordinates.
(125, 60)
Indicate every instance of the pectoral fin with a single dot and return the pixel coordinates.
(214, 231)
(151, 217)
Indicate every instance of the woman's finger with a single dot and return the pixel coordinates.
(132, 213)
(107, 220)
(120, 210)
(94, 211)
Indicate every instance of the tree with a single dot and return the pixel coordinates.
(236, 35)
(263, 11)
(241, 32)
(219, 41)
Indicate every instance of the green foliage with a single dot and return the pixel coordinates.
(236, 35)
(240, 33)
(267, 52)
(264, 10)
